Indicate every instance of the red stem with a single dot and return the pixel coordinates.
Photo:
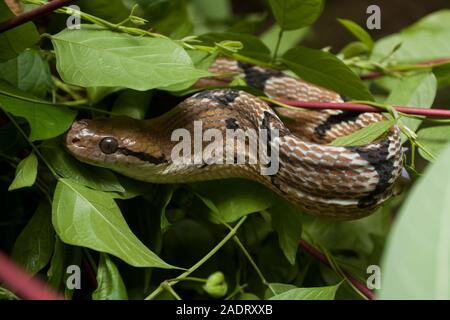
(33, 14)
(322, 258)
(366, 108)
(21, 283)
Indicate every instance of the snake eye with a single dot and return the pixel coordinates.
(109, 145)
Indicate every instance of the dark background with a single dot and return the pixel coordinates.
(395, 15)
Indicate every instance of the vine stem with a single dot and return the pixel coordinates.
(250, 259)
(185, 274)
(277, 46)
(22, 283)
(33, 14)
(322, 258)
(365, 108)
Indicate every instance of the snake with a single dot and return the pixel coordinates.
(340, 182)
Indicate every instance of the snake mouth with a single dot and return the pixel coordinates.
(79, 142)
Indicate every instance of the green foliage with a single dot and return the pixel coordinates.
(229, 200)
(34, 246)
(416, 264)
(57, 212)
(215, 285)
(366, 135)
(28, 72)
(26, 173)
(324, 69)
(358, 32)
(415, 91)
(287, 222)
(94, 57)
(295, 14)
(426, 39)
(110, 283)
(16, 40)
(321, 293)
(434, 139)
(91, 218)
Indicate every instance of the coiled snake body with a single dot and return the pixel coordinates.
(325, 180)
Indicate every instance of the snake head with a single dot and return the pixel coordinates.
(115, 143)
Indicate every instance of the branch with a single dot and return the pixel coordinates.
(366, 108)
(34, 14)
(22, 283)
(319, 256)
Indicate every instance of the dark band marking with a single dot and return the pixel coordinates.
(223, 96)
(143, 156)
(231, 123)
(378, 158)
(256, 77)
(344, 116)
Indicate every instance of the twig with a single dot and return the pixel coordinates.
(23, 284)
(185, 274)
(33, 14)
(322, 258)
(366, 108)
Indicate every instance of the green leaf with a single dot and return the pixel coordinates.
(358, 236)
(365, 135)
(354, 49)
(324, 69)
(253, 46)
(295, 14)
(416, 264)
(5, 294)
(46, 120)
(427, 39)
(93, 57)
(278, 288)
(63, 257)
(358, 32)
(96, 94)
(28, 72)
(247, 296)
(290, 38)
(442, 74)
(233, 199)
(68, 167)
(286, 221)
(34, 246)
(434, 139)
(112, 11)
(90, 218)
(26, 173)
(133, 104)
(110, 284)
(318, 293)
(418, 90)
(14, 41)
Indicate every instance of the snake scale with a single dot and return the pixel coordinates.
(323, 180)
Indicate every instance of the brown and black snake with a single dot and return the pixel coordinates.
(321, 179)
